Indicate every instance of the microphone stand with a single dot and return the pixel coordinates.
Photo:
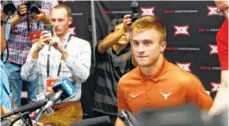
(25, 118)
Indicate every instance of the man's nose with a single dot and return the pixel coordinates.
(56, 23)
(141, 48)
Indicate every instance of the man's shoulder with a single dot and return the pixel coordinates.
(79, 41)
(183, 75)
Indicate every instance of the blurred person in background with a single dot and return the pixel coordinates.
(7, 105)
(19, 43)
(220, 104)
(113, 59)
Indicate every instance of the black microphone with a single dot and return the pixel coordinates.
(5, 122)
(10, 122)
(24, 116)
(103, 120)
(26, 108)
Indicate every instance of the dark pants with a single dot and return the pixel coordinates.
(99, 114)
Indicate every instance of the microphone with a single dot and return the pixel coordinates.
(26, 108)
(128, 118)
(5, 122)
(103, 120)
(10, 122)
(64, 88)
(22, 116)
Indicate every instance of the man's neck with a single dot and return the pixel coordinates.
(63, 37)
(153, 69)
(117, 48)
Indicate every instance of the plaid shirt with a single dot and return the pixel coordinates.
(18, 43)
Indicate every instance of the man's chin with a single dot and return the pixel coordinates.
(58, 34)
(143, 64)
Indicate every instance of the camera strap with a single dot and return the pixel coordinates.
(48, 58)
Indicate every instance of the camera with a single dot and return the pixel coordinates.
(33, 6)
(48, 27)
(134, 6)
(8, 7)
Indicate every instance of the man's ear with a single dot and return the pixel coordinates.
(70, 20)
(163, 46)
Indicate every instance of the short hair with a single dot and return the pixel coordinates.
(113, 24)
(147, 23)
(66, 7)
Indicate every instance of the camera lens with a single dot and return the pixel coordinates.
(8, 7)
(34, 9)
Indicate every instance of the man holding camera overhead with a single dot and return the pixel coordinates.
(6, 104)
(57, 56)
(113, 59)
(23, 32)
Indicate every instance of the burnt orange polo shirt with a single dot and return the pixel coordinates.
(172, 86)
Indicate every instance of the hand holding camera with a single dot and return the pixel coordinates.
(57, 44)
(22, 9)
(44, 39)
(41, 16)
(126, 22)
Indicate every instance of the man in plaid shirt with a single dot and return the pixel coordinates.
(19, 46)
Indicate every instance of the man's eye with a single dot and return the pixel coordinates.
(147, 43)
(135, 43)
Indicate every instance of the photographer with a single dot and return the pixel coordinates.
(113, 59)
(6, 104)
(57, 56)
(24, 25)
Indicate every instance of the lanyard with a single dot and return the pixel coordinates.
(48, 58)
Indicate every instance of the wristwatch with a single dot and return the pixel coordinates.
(3, 22)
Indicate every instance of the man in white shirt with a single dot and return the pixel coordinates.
(52, 58)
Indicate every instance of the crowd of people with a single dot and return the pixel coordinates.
(128, 75)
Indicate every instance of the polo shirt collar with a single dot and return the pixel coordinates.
(158, 74)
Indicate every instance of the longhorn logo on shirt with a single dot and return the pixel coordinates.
(213, 49)
(147, 11)
(165, 95)
(72, 30)
(185, 66)
(213, 11)
(181, 30)
(215, 86)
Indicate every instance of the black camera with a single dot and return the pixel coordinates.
(33, 6)
(8, 7)
(49, 28)
(134, 6)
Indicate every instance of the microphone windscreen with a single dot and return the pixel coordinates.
(66, 86)
(103, 120)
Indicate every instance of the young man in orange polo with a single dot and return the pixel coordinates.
(156, 83)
